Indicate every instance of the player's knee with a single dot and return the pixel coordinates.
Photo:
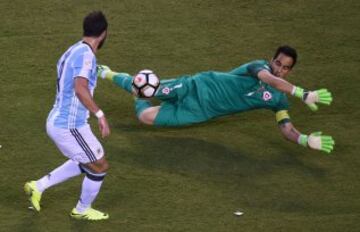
(144, 118)
(95, 174)
(103, 167)
(98, 166)
(148, 115)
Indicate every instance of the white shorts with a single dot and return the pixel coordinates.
(78, 144)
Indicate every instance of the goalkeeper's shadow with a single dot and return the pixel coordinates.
(206, 158)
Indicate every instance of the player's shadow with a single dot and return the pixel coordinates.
(200, 157)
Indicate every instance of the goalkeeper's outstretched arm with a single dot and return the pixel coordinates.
(315, 140)
(122, 80)
(310, 98)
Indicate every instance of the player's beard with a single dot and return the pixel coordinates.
(101, 43)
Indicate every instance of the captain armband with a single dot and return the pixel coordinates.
(282, 117)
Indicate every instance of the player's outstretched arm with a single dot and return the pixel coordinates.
(315, 140)
(123, 80)
(104, 72)
(322, 96)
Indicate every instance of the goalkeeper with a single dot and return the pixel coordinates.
(206, 95)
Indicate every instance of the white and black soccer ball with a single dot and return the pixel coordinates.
(145, 83)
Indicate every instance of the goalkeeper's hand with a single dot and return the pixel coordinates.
(317, 141)
(104, 72)
(322, 96)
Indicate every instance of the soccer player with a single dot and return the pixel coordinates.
(256, 85)
(67, 122)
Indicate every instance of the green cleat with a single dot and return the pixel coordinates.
(89, 214)
(34, 195)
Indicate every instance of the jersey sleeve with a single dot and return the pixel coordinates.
(251, 68)
(281, 110)
(255, 67)
(83, 65)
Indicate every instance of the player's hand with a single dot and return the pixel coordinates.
(321, 142)
(103, 127)
(322, 96)
(103, 72)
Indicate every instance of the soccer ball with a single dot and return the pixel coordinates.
(145, 83)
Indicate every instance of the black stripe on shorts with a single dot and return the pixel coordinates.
(83, 144)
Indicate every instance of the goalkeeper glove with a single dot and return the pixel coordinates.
(317, 141)
(104, 72)
(322, 96)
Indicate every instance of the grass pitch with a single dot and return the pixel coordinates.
(192, 178)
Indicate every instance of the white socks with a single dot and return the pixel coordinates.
(90, 188)
(89, 191)
(64, 172)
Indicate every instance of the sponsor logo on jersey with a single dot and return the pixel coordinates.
(267, 96)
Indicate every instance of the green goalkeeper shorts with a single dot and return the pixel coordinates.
(180, 103)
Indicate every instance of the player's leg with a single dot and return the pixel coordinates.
(185, 112)
(148, 114)
(95, 173)
(180, 105)
(94, 164)
(62, 173)
(169, 114)
(64, 141)
(170, 91)
(81, 146)
(124, 81)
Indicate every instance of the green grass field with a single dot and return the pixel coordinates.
(191, 178)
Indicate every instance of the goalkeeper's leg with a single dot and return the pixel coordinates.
(145, 112)
(170, 91)
(123, 81)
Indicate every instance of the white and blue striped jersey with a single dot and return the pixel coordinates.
(78, 61)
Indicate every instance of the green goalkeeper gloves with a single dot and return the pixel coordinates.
(317, 141)
(104, 72)
(322, 96)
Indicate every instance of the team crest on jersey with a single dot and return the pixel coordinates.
(166, 90)
(87, 64)
(266, 96)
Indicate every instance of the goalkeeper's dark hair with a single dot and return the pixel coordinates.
(94, 24)
(289, 51)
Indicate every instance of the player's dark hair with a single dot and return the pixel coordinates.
(94, 24)
(287, 50)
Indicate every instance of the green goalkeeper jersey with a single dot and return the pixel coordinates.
(193, 99)
(221, 93)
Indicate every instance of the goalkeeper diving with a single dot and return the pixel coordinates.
(259, 84)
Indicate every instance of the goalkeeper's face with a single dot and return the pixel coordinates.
(281, 65)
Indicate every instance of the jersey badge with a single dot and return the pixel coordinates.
(267, 96)
(166, 90)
